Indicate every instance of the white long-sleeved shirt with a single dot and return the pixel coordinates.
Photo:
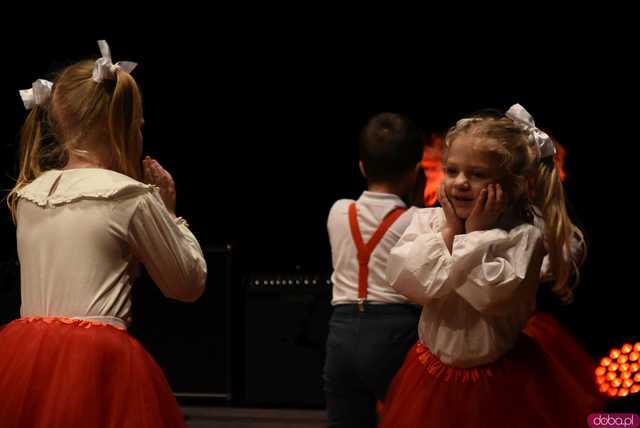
(477, 298)
(372, 208)
(81, 233)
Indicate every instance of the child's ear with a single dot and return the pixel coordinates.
(362, 171)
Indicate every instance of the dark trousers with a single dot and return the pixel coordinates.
(365, 349)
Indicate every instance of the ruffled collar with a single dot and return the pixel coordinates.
(56, 187)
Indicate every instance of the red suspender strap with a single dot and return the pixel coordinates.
(365, 250)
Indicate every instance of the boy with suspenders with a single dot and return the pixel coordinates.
(372, 327)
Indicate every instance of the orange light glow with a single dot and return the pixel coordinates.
(432, 167)
(619, 374)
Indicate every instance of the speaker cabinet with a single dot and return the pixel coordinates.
(286, 327)
(192, 342)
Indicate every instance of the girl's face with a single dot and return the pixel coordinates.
(467, 170)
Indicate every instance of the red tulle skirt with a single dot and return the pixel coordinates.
(63, 373)
(546, 380)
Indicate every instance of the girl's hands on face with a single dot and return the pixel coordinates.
(454, 223)
(488, 207)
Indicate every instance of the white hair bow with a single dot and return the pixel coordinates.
(543, 142)
(105, 68)
(38, 94)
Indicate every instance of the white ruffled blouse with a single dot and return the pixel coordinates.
(81, 233)
(477, 298)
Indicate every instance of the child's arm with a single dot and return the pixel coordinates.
(168, 249)
(500, 263)
(421, 267)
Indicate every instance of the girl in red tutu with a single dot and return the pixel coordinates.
(84, 220)
(475, 265)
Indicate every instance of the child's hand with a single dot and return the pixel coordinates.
(454, 223)
(155, 174)
(487, 209)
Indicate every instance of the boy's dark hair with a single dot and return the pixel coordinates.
(390, 146)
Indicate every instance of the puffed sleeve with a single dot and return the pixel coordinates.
(168, 249)
(493, 264)
(484, 267)
(419, 265)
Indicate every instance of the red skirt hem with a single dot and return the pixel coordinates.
(60, 372)
(547, 380)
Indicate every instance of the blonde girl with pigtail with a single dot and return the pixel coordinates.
(88, 210)
(475, 265)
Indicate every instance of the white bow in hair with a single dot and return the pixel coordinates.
(105, 68)
(38, 94)
(544, 144)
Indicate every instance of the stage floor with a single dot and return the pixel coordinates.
(235, 417)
